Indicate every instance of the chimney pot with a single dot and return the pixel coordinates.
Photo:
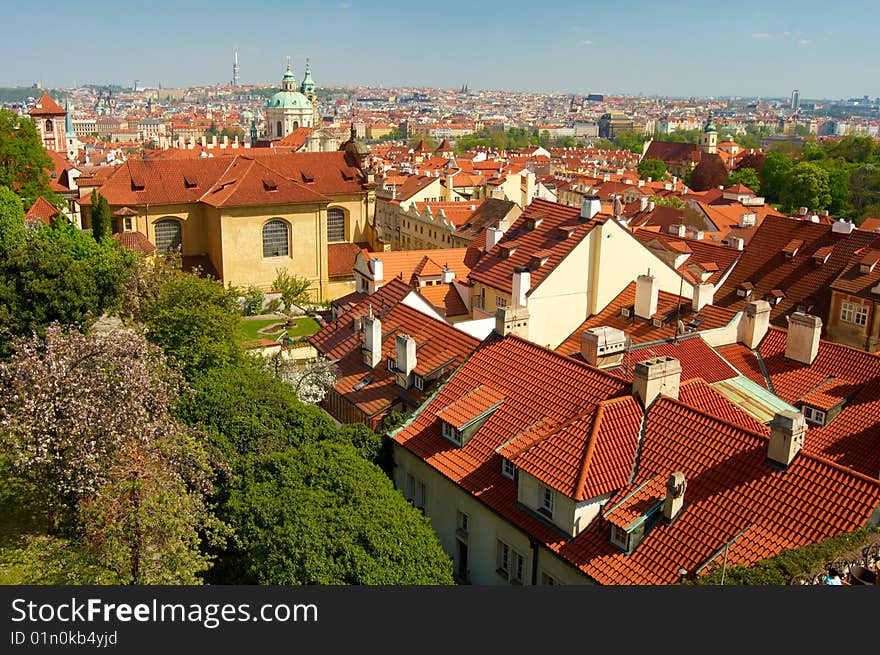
(647, 292)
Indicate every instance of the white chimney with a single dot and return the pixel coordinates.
(372, 350)
(755, 323)
(448, 275)
(736, 243)
(647, 291)
(643, 203)
(802, 340)
(787, 432)
(674, 500)
(512, 320)
(803, 211)
(590, 206)
(405, 358)
(703, 295)
(493, 236)
(841, 226)
(655, 376)
(603, 346)
(378, 272)
(676, 229)
(522, 282)
(651, 205)
(697, 235)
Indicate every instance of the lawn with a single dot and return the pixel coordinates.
(305, 326)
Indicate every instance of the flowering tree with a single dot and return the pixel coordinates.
(87, 418)
(294, 292)
(310, 380)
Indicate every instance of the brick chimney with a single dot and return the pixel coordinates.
(372, 350)
(674, 500)
(786, 436)
(755, 323)
(655, 376)
(802, 340)
(647, 292)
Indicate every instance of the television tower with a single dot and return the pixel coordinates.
(235, 79)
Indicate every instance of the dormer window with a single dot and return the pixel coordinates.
(419, 382)
(620, 538)
(744, 290)
(507, 249)
(451, 432)
(508, 469)
(792, 247)
(545, 501)
(533, 221)
(775, 297)
(814, 415)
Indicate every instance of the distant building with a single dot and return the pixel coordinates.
(290, 109)
(49, 117)
(613, 122)
(235, 76)
(795, 100)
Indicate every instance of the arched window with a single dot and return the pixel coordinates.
(48, 125)
(335, 224)
(168, 235)
(280, 131)
(295, 124)
(276, 238)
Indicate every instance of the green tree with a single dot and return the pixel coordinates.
(418, 138)
(12, 229)
(773, 171)
(321, 514)
(668, 201)
(101, 226)
(630, 140)
(805, 185)
(853, 149)
(653, 168)
(838, 171)
(294, 292)
(745, 176)
(245, 410)
(196, 321)
(60, 274)
(24, 163)
(710, 173)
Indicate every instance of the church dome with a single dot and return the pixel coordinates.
(289, 100)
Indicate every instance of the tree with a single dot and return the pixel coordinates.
(310, 380)
(653, 168)
(745, 176)
(668, 201)
(776, 166)
(805, 185)
(245, 410)
(60, 274)
(254, 298)
(629, 140)
(196, 321)
(101, 227)
(24, 163)
(321, 514)
(294, 292)
(430, 142)
(12, 230)
(710, 173)
(838, 171)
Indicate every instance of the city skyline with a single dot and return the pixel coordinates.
(633, 48)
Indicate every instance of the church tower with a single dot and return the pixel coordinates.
(71, 142)
(49, 118)
(709, 140)
(307, 88)
(289, 109)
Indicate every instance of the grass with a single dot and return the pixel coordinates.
(28, 555)
(305, 326)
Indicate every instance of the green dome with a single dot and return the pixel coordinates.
(289, 100)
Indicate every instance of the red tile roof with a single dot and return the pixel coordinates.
(801, 279)
(42, 211)
(709, 256)
(46, 106)
(341, 257)
(136, 241)
(496, 270)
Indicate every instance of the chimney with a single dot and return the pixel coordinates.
(676, 229)
(803, 211)
(203, 141)
(448, 275)
(522, 282)
(590, 206)
(802, 341)
(647, 291)
(449, 188)
(655, 376)
(674, 500)
(651, 205)
(643, 203)
(697, 235)
(736, 243)
(512, 320)
(405, 357)
(603, 347)
(786, 436)
(372, 350)
(755, 323)
(842, 227)
(493, 236)
(376, 265)
(703, 295)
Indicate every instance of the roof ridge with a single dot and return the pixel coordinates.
(762, 437)
(589, 449)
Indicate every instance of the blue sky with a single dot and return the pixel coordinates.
(827, 49)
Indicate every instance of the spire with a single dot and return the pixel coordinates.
(308, 85)
(68, 121)
(288, 82)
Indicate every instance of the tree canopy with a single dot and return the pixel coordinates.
(24, 163)
(710, 173)
(805, 185)
(321, 514)
(12, 230)
(745, 176)
(653, 168)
